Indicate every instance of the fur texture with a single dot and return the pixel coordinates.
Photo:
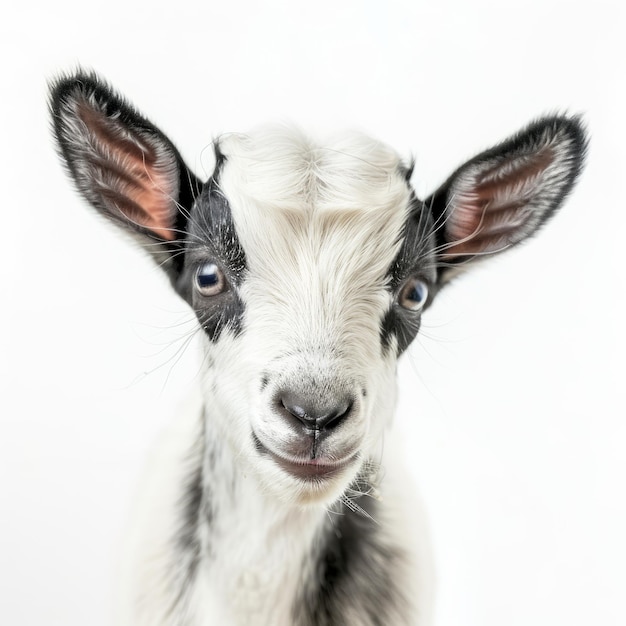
(273, 500)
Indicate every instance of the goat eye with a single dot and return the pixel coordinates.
(210, 280)
(413, 294)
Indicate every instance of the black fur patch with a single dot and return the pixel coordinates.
(192, 504)
(213, 238)
(195, 510)
(355, 574)
(415, 259)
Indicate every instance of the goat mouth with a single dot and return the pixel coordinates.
(306, 469)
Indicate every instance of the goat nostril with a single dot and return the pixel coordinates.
(313, 413)
(297, 411)
(332, 419)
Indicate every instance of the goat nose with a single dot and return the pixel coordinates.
(314, 413)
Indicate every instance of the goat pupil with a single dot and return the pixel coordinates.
(208, 276)
(417, 294)
(413, 295)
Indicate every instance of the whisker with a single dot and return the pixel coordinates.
(179, 354)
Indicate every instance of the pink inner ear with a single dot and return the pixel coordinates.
(134, 175)
(492, 208)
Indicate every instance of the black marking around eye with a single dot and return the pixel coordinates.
(403, 325)
(213, 238)
(415, 258)
(213, 227)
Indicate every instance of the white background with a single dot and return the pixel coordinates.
(512, 399)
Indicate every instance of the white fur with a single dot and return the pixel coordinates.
(260, 506)
(318, 245)
(320, 228)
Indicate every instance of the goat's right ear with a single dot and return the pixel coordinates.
(121, 163)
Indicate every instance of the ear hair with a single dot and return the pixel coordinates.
(120, 162)
(505, 194)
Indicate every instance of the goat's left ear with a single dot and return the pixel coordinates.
(504, 195)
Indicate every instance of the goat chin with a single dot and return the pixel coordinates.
(315, 492)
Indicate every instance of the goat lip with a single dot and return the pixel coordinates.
(314, 468)
(306, 468)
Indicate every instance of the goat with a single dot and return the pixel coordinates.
(308, 267)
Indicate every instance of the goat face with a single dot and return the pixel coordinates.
(299, 285)
(307, 266)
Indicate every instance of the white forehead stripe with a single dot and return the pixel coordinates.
(283, 168)
(347, 197)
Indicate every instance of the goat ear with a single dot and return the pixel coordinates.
(120, 162)
(504, 195)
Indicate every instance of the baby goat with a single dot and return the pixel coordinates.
(308, 267)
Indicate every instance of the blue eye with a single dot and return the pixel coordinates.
(413, 294)
(210, 279)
